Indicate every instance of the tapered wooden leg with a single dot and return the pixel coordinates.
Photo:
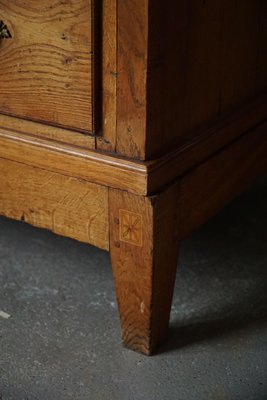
(144, 250)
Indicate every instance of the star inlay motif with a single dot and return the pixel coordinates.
(130, 227)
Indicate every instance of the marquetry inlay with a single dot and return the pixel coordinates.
(130, 227)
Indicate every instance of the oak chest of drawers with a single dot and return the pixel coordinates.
(126, 124)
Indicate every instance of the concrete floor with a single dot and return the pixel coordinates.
(62, 339)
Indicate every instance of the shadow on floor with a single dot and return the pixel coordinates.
(237, 240)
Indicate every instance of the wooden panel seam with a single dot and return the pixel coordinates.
(106, 137)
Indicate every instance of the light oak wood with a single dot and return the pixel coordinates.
(132, 77)
(127, 124)
(145, 231)
(65, 205)
(48, 64)
(73, 161)
(106, 140)
(22, 126)
(144, 251)
(144, 178)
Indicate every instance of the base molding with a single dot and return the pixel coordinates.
(80, 209)
(142, 178)
(248, 119)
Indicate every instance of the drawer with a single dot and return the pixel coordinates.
(48, 65)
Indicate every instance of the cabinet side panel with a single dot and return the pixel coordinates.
(205, 190)
(214, 61)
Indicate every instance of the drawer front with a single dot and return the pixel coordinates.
(47, 66)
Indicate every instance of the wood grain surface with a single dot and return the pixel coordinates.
(182, 110)
(47, 67)
(144, 250)
(132, 77)
(205, 143)
(38, 129)
(182, 66)
(73, 161)
(144, 178)
(67, 206)
(106, 139)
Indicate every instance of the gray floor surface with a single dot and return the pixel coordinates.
(62, 339)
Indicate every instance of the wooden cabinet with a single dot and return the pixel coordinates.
(127, 124)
